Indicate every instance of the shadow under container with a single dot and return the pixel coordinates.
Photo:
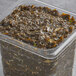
(21, 59)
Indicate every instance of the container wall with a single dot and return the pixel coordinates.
(65, 63)
(1, 67)
(18, 62)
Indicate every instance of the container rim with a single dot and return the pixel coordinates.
(56, 7)
(48, 53)
(40, 52)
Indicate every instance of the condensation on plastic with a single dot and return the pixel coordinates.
(21, 59)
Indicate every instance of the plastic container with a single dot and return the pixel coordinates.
(21, 59)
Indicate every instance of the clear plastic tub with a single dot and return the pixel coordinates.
(21, 59)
